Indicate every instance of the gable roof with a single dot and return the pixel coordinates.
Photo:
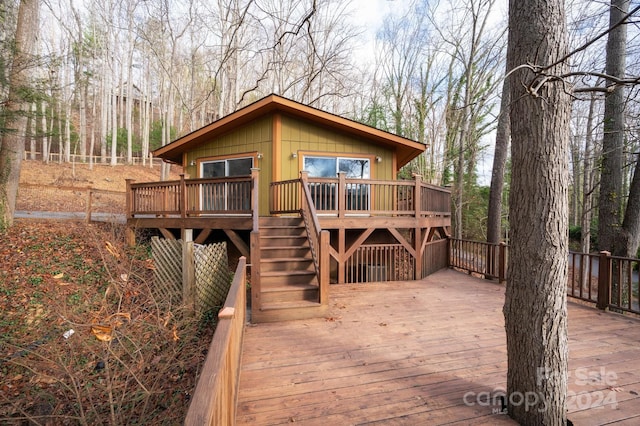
(406, 149)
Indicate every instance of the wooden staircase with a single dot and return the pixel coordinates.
(288, 283)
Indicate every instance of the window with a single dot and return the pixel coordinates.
(225, 196)
(355, 168)
(229, 167)
(324, 194)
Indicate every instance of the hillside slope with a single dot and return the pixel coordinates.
(100, 177)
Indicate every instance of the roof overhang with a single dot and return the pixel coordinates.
(406, 149)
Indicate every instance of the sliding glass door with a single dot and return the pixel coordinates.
(324, 194)
(225, 196)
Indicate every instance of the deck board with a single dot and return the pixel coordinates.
(406, 353)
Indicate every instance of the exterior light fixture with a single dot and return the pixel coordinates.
(192, 163)
(294, 155)
(259, 156)
(378, 159)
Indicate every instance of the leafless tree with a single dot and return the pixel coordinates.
(15, 107)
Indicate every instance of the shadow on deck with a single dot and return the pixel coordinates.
(424, 352)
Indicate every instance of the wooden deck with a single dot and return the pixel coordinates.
(407, 353)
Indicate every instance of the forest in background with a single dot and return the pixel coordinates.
(112, 80)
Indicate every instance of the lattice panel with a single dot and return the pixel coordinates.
(167, 256)
(211, 270)
(213, 278)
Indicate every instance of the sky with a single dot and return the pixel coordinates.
(369, 15)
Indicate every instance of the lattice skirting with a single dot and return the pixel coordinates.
(211, 271)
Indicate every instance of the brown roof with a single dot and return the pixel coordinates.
(406, 149)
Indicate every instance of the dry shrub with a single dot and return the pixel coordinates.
(131, 359)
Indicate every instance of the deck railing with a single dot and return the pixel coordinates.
(190, 197)
(344, 196)
(214, 400)
(340, 196)
(610, 282)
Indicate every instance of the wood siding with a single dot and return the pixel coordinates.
(295, 136)
(251, 138)
(304, 137)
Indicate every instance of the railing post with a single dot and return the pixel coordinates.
(88, 212)
(502, 262)
(341, 193)
(256, 303)
(255, 201)
(604, 280)
(417, 194)
(183, 197)
(304, 180)
(129, 199)
(324, 262)
(490, 262)
(448, 252)
(188, 271)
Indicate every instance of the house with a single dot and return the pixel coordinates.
(307, 196)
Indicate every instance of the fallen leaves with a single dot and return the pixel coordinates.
(102, 332)
(112, 250)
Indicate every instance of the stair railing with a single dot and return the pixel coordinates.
(318, 239)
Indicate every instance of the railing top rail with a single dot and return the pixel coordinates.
(629, 259)
(223, 179)
(435, 187)
(283, 182)
(158, 184)
(197, 181)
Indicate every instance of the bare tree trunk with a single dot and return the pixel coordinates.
(535, 301)
(45, 138)
(130, 95)
(587, 181)
(12, 146)
(494, 220)
(576, 170)
(610, 203)
(104, 113)
(114, 128)
(629, 236)
(32, 132)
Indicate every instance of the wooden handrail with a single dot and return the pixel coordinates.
(318, 240)
(308, 212)
(215, 397)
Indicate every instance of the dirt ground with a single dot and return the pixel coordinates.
(83, 340)
(101, 176)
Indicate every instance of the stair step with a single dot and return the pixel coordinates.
(289, 305)
(281, 221)
(278, 278)
(286, 273)
(287, 311)
(277, 252)
(287, 264)
(283, 231)
(289, 293)
(287, 240)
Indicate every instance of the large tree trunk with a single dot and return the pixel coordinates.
(12, 146)
(535, 301)
(628, 238)
(503, 131)
(610, 202)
